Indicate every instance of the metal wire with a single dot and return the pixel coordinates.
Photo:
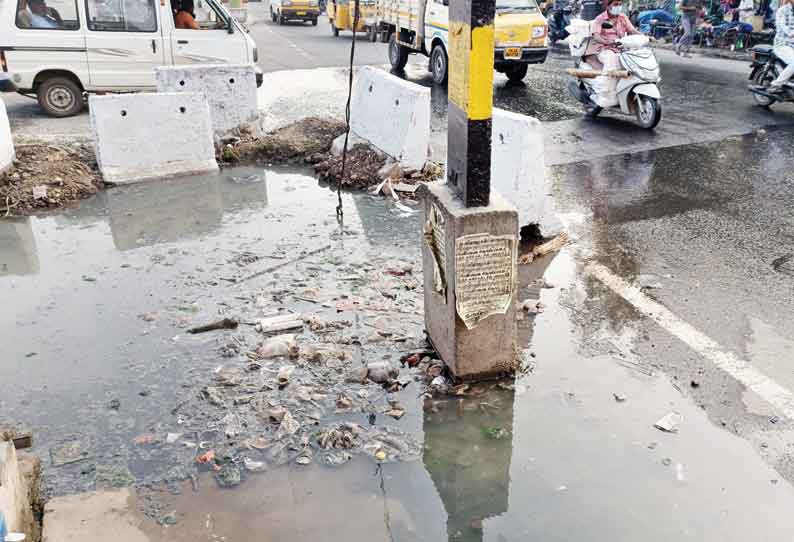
(339, 210)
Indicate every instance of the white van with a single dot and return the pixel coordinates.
(58, 50)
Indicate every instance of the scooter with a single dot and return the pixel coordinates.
(558, 32)
(637, 82)
(765, 68)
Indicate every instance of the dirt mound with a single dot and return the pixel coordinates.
(48, 176)
(361, 170)
(304, 141)
(368, 167)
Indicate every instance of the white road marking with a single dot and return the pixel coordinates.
(766, 388)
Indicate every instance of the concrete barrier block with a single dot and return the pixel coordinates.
(518, 169)
(147, 136)
(393, 115)
(14, 493)
(6, 143)
(230, 90)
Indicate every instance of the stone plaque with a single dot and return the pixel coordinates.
(485, 272)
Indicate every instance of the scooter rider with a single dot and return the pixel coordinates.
(784, 42)
(604, 44)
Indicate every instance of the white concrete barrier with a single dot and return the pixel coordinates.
(393, 115)
(518, 169)
(147, 136)
(6, 143)
(230, 90)
(14, 500)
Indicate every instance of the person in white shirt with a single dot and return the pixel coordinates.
(784, 42)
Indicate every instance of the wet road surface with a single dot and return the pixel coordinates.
(704, 229)
(569, 461)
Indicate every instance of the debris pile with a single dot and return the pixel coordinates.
(47, 176)
(322, 364)
(367, 167)
(305, 141)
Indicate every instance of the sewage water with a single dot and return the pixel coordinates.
(555, 458)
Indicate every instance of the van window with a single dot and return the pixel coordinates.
(47, 15)
(206, 14)
(121, 15)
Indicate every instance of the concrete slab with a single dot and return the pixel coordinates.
(469, 261)
(14, 493)
(230, 90)
(393, 115)
(146, 136)
(6, 143)
(93, 517)
(518, 169)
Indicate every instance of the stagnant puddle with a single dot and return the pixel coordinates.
(97, 362)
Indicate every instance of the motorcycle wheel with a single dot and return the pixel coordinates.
(649, 112)
(763, 79)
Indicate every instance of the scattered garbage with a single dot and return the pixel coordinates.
(69, 452)
(226, 323)
(670, 422)
(283, 375)
(229, 475)
(382, 372)
(278, 346)
(254, 466)
(619, 397)
(275, 324)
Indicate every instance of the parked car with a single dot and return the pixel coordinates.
(59, 50)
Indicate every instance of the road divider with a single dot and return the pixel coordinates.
(230, 90)
(6, 143)
(393, 115)
(146, 136)
(518, 170)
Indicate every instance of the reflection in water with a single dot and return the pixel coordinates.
(17, 247)
(468, 449)
(469, 440)
(181, 208)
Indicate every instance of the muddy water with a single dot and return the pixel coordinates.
(554, 459)
(96, 301)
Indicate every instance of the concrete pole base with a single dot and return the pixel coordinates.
(470, 282)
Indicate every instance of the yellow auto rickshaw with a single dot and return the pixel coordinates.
(341, 14)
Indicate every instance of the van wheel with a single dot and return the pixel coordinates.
(516, 72)
(60, 97)
(314, 22)
(398, 55)
(438, 64)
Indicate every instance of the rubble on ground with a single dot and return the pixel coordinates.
(48, 176)
(305, 141)
(367, 167)
(329, 360)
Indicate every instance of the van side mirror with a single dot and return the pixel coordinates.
(230, 27)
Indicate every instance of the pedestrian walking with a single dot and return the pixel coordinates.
(689, 15)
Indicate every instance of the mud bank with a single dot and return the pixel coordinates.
(48, 176)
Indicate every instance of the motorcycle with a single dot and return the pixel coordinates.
(558, 21)
(636, 89)
(765, 68)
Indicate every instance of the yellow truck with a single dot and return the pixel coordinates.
(421, 26)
